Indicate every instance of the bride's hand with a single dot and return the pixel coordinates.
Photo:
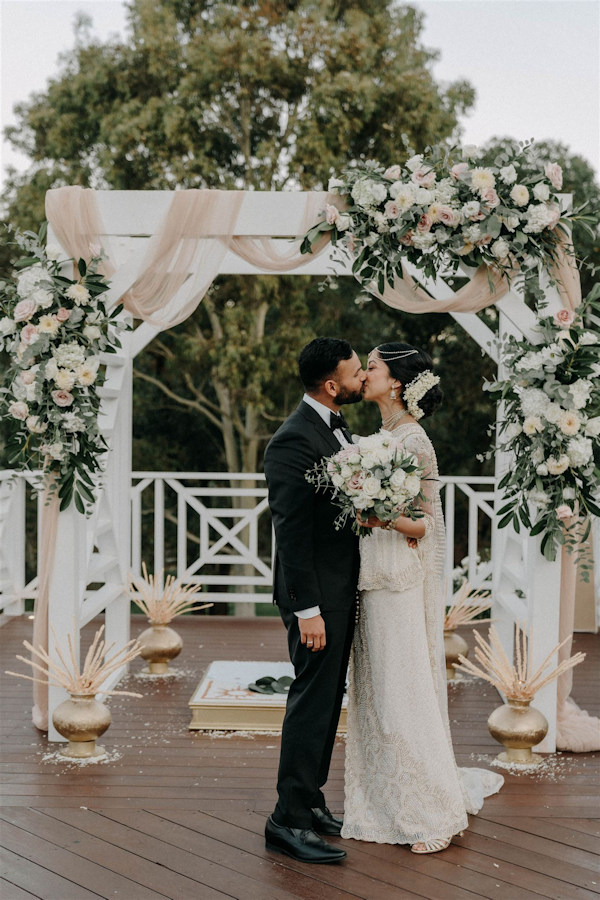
(371, 522)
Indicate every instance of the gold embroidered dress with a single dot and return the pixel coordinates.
(402, 784)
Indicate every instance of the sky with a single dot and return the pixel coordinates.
(535, 64)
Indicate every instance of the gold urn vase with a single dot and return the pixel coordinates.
(454, 645)
(81, 719)
(519, 726)
(160, 644)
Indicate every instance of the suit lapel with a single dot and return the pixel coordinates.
(324, 431)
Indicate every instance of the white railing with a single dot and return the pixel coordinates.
(214, 529)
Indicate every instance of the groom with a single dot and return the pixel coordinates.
(315, 578)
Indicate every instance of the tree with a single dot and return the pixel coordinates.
(264, 95)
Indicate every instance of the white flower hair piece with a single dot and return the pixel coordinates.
(416, 390)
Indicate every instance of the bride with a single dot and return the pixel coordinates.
(402, 785)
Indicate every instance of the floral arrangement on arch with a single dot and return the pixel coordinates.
(551, 423)
(442, 208)
(53, 329)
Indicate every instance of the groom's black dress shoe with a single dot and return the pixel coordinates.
(325, 823)
(301, 844)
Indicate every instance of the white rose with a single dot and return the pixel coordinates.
(35, 425)
(337, 480)
(541, 191)
(42, 298)
(92, 332)
(500, 249)
(412, 485)
(55, 450)
(553, 413)
(54, 251)
(520, 195)
(415, 162)
(512, 430)
(580, 451)
(343, 222)
(471, 208)
(371, 486)
(542, 469)
(511, 222)
(569, 493)
(508, 174)
(537, 456)
(7, 326)
(588, 338)
(51, 370)
(592, 427)
(397, 478)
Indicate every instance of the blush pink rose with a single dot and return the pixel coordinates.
(63, 314)
(447, 216)
(554, 174)
(392, 174)
(425, 223)
(331, 214)
(563, 512)
(490, 198)
(564, 318)
(424, 177)
(29, 335)
(484, 240)
(19, 410)
(392, 210)
(62, 398)
(407, 239)
(24, 310)
(27, 376)
(459, 170)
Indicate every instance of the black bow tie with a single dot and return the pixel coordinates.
(337, 421)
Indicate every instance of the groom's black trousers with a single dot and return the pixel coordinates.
(312, 715)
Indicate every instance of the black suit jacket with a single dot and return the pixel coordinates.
(315, 565)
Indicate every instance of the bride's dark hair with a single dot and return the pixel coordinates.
(406, 368)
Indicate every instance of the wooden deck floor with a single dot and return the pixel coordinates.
(181, 815)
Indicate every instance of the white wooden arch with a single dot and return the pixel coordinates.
(98, 549)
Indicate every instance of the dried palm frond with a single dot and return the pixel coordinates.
(163, 604)
(518, 681)
(464, 607)
(98, 665)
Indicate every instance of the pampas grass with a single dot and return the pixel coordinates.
(463, 609)
(518, 681)
(162, 604)
(97, 667)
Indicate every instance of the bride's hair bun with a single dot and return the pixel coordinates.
(406, 363)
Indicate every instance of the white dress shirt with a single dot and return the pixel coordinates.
(325, 413)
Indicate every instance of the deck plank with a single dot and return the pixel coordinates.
(174, 813)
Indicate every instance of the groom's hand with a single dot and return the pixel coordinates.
(312, 632)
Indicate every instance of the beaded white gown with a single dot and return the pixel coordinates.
(402, 784)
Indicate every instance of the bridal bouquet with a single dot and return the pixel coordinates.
(375, 476)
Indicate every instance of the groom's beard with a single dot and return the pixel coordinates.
(345, 396)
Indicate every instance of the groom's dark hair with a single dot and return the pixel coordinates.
(319, 360)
